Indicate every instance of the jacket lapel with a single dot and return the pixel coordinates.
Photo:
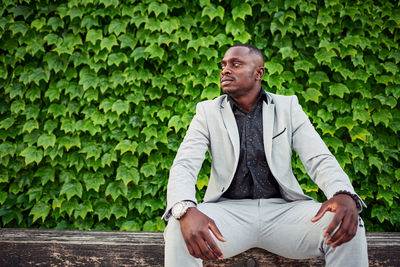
(231, 126)
(268, 125)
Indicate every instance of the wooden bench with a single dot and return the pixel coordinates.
(37, 247)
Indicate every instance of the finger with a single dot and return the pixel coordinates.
(206, 252)
(214, 229)
(334, 224)
(341, 233)
(345, 233)
(196, 251)
(321, 212)
(214, 248)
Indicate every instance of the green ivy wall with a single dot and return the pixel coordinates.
(96, 95)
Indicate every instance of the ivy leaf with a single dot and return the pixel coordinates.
(46, 174)
(31, 154)
(235, 27)
(3, 197)
(7, 148)
(120, 107)
(93, 35)
(338, 89)
(117, 58)
(102, 209)
(50, 125)
(243, 37)
(109, 42)
(55, 62)
(148, 169)
(355, 151)
(169, 26)
(91, 150)
(108, 158)
(241, 11)
(57, 110)
(40, 210)
(324, 55)
(346, 122)
(93, 181)
(118, 26)
(359, 133)
(318, 78)
(71, 188)
(312, 94)
(383, 116)
(360, 166)
(46, 140)
(88, 78)
(69, 206)
(119, 211)
(116, 189)
(125, 146)
(273, 67)
(7, 123)
(106, 105)
(380, 212)
(83, 209)
(18, 27)
(128, 174)
(303, 65)
(69, 141)
(155, 51)
(288, 52)
(361, 114)
(158, 8)
(130, 226)
(213, 12)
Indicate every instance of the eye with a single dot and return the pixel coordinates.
(236, 64)
(222, 66)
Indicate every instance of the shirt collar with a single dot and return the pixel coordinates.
(262, 95)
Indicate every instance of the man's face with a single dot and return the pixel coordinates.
(239, 71)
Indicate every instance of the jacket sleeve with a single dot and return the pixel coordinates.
(320, 164)
(188, 161)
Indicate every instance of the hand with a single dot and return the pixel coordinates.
(346, 213)
(195, 227)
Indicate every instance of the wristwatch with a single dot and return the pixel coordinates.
(180, 208)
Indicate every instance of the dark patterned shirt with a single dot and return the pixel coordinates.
(253, 178)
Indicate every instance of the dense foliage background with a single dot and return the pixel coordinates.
(96, 95)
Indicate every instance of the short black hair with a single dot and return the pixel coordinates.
(253, 49)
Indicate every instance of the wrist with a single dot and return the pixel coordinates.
(180, 208)
(356, 198)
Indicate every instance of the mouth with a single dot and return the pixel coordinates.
(226, 80)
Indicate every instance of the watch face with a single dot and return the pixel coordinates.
(177, 210)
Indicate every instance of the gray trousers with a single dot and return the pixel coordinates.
(278, 226)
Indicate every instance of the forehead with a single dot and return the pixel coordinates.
(237, 52)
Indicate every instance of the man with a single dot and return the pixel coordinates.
(253, 198)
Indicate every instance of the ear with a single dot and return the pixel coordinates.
(259, 73)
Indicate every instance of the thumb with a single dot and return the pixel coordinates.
(214, 229)
(321, 212)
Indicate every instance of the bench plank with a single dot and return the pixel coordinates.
(39, 247)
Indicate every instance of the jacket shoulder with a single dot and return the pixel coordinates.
(277, 99)
(213, 103)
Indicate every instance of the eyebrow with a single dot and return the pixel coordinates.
(232, 59)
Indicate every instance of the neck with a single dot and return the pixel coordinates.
(247, 101)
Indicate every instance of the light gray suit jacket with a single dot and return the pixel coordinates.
(285, 127)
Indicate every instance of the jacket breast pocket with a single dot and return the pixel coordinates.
(279, 134)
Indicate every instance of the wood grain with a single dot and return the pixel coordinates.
(38, 247)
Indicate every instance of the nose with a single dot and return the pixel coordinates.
(226, 70)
